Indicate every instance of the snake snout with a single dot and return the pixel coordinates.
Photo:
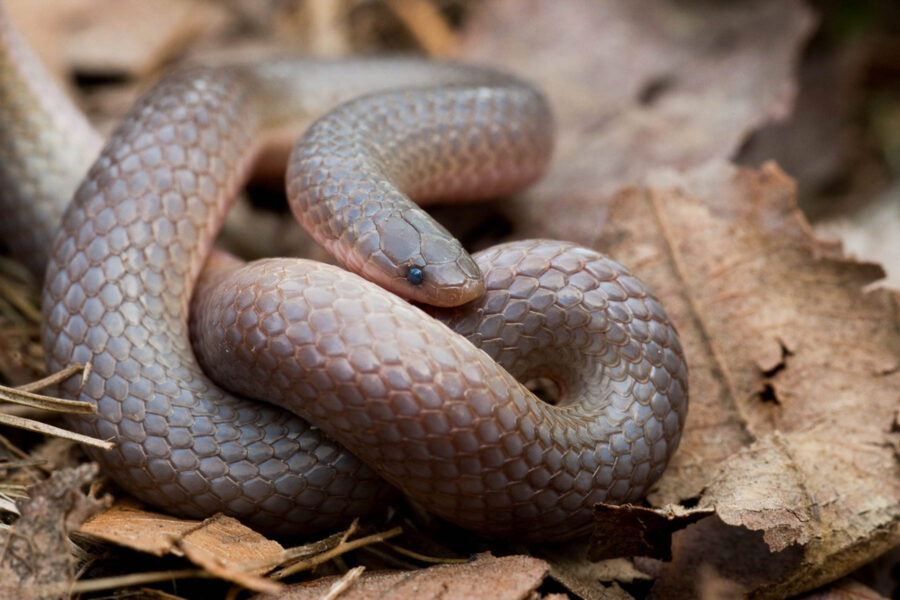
(443, 284)
(417, 258)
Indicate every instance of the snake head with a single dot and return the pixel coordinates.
(414, 257)
(442, 284)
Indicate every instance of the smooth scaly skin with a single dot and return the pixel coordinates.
(351, 175)
(46, 147)
(136, 236)
(438, 418)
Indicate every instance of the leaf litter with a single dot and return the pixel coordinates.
(792, 432)
(36, 556)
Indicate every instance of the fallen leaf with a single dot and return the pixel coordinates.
(636, 86)
(35, 557)
(630, 530)
(869, 232)
(156, 33)
(821, 142)
(792, 432)
(500, 578)
(846, 590)
(601, 580)
(127, 525)
(739, 270)
(220, 544)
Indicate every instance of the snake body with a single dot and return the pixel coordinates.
(422, 406)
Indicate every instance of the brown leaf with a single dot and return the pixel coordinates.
(636, 86)
(506, 577)
(155, 33)
(637, 531)
(741, 562)
(741, 274)
(220, 544)
(586, 579)
(633, 92)
(36, 561)
(792, 366)
(42, 26)
(824, 119)
(846, 590)
(870, 232)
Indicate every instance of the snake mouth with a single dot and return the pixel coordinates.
(434, 294)
(446, 284)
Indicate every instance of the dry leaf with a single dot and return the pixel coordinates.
(500, 578)
(221, 545)
(792, 433)
(590, 580)
(134, 38)
(846, 590)
(820, 144)
(637, 531)
(870, 232)
(35, 557)
(127, 525)
(748, 379)
(742, 275)
(733, 262)
(636, 86)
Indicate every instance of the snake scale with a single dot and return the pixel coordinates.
(432, 402)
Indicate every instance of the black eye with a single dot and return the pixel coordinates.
(415, 276)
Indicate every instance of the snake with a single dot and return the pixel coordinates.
(296, 395)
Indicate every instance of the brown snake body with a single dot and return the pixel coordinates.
(442, 420)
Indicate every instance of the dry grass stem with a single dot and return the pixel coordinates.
(38, 427)
(426, 23)
(341, 548)
(122, 581)
(30, 399)
(54, 378)
(438, 560)
(343, 584)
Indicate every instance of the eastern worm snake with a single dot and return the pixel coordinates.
(443, 421)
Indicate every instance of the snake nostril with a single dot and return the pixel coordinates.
(415, 276)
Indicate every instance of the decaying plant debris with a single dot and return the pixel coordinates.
(787, 478)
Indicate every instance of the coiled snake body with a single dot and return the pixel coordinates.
(444, 421)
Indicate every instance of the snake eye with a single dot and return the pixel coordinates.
(415, 275)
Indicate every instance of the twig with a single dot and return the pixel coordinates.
(17, 396)
(53, 379)
(146, 593)
(39, 427)
(426, 24)
(12, 448)
(107, 583)
(8, 504)
(23, 463)
(298, 552)
(327, 36)
(425, 558)
(341, 548)
(343, 584)
(18, 299)
(25, 396)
